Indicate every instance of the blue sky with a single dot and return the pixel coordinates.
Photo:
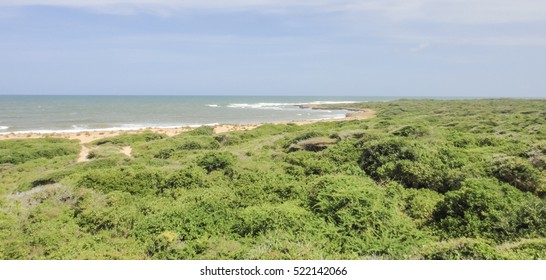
(480, 48)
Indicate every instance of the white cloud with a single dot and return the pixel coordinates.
(452, 11)
(455, 11)
(457, 40)
(167, 4)
(389, 13)
(420, 48)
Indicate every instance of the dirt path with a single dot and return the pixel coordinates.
(84, 152)
(127, 150)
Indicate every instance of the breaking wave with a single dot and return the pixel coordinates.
(283, 106)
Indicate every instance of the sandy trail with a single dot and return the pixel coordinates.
(84, 152)
(127, 150)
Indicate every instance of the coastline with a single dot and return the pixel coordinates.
(85, 137)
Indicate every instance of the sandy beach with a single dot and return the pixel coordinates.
(89, 136)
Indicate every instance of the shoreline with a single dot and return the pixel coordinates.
(85, 137)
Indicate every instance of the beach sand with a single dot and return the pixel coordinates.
(89, 136)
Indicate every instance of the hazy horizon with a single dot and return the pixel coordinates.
(398, 48)
(391, 97)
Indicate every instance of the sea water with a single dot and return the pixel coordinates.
(45, 114)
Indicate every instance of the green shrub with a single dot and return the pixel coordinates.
(412, 164)
(461, 140)
(378, 153)
(216, 161)
(255, 220)
(257, 187)
(420, 204)
(343, 152)
(128, 139)
(208, 212)
(518, 173)
(537, 158)
(115, 212)
(128, 179)
(191, 145)
(370, 223)
(485, 208)
(228, 139)
(165, 246)
(224, 248)
(351, 202)
(20, 151)
(12, 245)
(526, 249)
(411, 130)
(104, 151)
(199, 143)
(460, 249)
(304, 136)
(192, 177)
(164, 153)
(315, 144)
(203, 130)
(310, 163)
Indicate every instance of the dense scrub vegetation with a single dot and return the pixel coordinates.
(425, 179)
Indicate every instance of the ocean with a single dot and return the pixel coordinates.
(47, 114)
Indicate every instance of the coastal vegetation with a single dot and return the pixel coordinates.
(424, 179)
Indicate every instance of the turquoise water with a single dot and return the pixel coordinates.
(82, 113)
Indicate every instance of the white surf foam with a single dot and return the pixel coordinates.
(266, 106)
(333, 102)
(283, 106)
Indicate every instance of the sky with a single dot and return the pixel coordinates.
(456, 48)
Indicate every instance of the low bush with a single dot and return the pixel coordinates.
(228, 139)
(189, 178)
(413, 164)
(301, 137)
(460, 249)
(20, 151)
(412, 131)
(127, 179)
(128, 139)
(199, 143)
(255, 220)
(369, 223)
(518, 173)
(203, 130)
(308, 163)
(526, 249)
(216, 161)
(485, 208)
